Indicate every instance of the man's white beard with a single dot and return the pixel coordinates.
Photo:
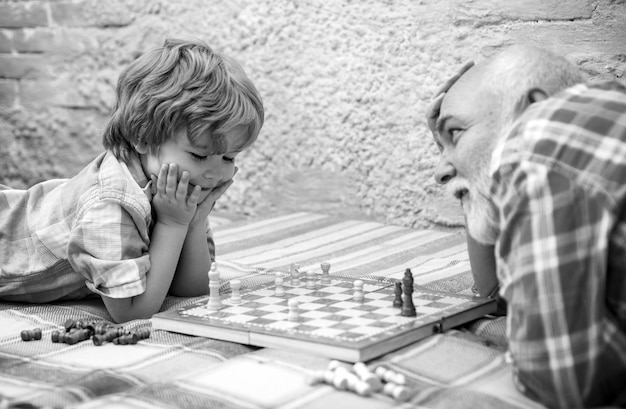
(481, 213)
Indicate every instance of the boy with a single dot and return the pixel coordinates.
(132, 226)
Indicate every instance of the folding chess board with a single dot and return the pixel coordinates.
(330, 322)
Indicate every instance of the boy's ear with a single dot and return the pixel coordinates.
(141, 147)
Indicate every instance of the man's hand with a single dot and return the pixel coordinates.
(432, 112)
(171, 204)
(205, 207)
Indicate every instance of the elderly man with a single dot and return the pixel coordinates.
(538, 161)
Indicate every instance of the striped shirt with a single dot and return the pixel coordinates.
(560, 186)
(69, 238)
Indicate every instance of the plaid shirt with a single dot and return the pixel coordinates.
(560, 187)
(66, 239)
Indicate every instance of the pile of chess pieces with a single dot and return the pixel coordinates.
(359, 379)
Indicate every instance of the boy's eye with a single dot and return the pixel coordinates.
(198, 157)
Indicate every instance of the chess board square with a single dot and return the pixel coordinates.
(283, 324)
(305, 299)
(336, 290)
(236, 309)
(358, 321)
(257, 313)
(421, 301)
(314, 314)
(269, 300)
(299, 291)
(452, 300)
(250, 304)
(321, 323)
(331, 309)
(277, 316)
(398, 319)
(439, 304)
(366, 307)
(325, 301)
(264, 292)
(350, 313)
(431, 297)
(338, 297)
(310, 306)
(380, 303)
(373, 316)
(263, 321)
(379, 295)
(241, 318)
(347, 304)
(426, 310)
(335, 317)
(387, 311)
(274, 307)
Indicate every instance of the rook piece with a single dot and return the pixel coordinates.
(397, 302)
(358, 290)
(408, 308)
(214, 303)
(235, 295)
(325, 273)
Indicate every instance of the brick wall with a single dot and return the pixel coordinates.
(345, 84)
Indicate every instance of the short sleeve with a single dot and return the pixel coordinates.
(109, 247)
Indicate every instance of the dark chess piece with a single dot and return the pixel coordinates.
(408, 308)
(397, 302)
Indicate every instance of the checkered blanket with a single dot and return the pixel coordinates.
(463, 367)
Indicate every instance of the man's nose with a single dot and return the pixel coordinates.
(444, 172)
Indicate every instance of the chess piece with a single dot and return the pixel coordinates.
(310, 280)
(235, 295)
(295, 275)
(214, 303)
(279, 290)
(408, 308)
(357, 295)
(325, 273)
(397, 302)
(294, 314)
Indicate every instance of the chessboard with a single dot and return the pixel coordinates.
(330, 321)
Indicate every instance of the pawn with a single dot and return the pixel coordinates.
(279, 290)
(357, 295)
(310, 280)
(397, 301)
(294, 314)
(235, 295)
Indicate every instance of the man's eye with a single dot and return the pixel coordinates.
(455, 134)
(227, 159)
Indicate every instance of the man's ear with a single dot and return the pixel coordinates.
(536, 95)
(532, 95)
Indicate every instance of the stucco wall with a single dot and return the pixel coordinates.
(345, 85)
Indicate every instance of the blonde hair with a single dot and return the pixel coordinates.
(182, 84)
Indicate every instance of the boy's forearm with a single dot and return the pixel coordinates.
(165, 247)
(191, 278)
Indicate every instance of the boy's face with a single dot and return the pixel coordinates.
(205, 170)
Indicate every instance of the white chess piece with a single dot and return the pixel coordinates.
(214, 303)
(294, 314)
(357, 295)
(235, 295)
(279, 290)
(295, 275)
(325, 273)
(310, 280)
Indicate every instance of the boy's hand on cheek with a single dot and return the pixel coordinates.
(205, 207)
(171, 204)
